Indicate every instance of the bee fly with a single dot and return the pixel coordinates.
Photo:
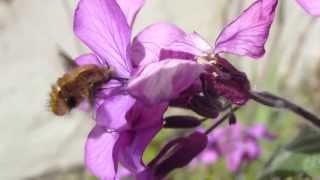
(76, 86)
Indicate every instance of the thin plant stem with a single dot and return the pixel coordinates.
(221, 120)
(274, 101)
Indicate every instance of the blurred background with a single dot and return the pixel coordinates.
(36, 145)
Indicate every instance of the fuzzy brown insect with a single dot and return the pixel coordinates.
(76, 86)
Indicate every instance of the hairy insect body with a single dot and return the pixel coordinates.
(75, 87)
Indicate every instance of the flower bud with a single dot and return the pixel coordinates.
(202, 106)
(181, 122)
(229, 82)
(177, 154)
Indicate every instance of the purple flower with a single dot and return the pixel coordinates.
(245, 36)
(125, 125)
(237, 144)
(310, 6)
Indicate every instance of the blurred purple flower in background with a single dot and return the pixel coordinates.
(310, 6)
(237, 144)
(124, 125)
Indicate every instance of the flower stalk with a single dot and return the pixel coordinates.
(221, 120)
(274, 101)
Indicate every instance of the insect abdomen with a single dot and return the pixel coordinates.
(75, 87)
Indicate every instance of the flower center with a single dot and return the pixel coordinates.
(207, 58)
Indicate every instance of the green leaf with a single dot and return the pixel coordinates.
(299, 159)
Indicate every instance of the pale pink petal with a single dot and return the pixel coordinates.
(132, 150)
(191, 43)
(310, 6)
(148, 43)
(130, 9)
(100, 157)
(199, 42)
(164, 80)
(102, 26)
(88, 59)
(248, 34)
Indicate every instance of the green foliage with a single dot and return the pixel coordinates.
(300, 158)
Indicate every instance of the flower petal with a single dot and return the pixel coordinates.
(310, 6)
(100, 157)
(178, 153)
(247, 34)
(136, 142)
(130, 9)
(148, 43)
(123, 173)
(112, 113)
(147, 174)
(234, 159)
(164, 80)
(142, 116)
(88, 59)
(209, 157)
(102, 26)
(252, 149)
(184, 99)
(260, 131)
(191, 43)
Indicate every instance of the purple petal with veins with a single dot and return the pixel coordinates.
(102, 26)
(248, 33)
(135, 143)
(130, 9)
(101, 159)
(148, 43)
(192, 44)
(112, 113)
